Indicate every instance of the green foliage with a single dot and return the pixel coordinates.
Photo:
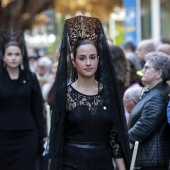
(52, 48)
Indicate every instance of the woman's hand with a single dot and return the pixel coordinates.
(120, 164)
(45, 139)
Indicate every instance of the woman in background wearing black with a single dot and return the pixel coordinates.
(21, 105)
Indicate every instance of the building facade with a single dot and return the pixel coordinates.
(147, 19)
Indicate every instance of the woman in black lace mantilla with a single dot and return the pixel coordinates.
(88, 122)
(22, 123)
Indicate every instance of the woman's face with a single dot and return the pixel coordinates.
(86, 60)
(150, 74)
(12, 57)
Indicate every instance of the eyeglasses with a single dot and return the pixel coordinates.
(147, 68)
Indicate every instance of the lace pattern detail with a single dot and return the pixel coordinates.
(74, 99)
(82, 27)
(114, 142)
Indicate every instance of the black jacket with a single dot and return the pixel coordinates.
(21, 104)
(148, 125)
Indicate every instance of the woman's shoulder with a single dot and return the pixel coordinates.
(34, 81)
(33, 78)
(159, 93)
(162, 89)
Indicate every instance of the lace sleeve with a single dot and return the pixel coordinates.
(117, 151)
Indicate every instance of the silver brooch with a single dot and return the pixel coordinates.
(24, 81)
(104, 107)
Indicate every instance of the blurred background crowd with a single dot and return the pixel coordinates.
(133, 28)
(137, 27)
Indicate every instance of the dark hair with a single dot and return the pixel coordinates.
(11, 43)
(165, 40)
(121, 66)
(133, 75)
(82, 42)
(117, 53)
(129, 45)
(11, 37)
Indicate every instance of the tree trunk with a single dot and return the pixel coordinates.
(20, 14)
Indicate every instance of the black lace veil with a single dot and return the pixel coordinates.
(76, 29)
(9, 37)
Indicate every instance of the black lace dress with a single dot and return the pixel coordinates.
(90, 140)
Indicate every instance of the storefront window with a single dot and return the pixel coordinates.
(145, 19)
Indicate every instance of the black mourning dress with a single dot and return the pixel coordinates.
(90, 140)
(21, 121)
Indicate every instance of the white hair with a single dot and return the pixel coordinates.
(46, 61)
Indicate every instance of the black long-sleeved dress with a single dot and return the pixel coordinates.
(90, 140)
(21, 121)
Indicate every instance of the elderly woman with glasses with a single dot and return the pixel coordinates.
(148, 121)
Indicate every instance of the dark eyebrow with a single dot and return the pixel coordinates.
(13, 53)
(82, 56)
(85, 55)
